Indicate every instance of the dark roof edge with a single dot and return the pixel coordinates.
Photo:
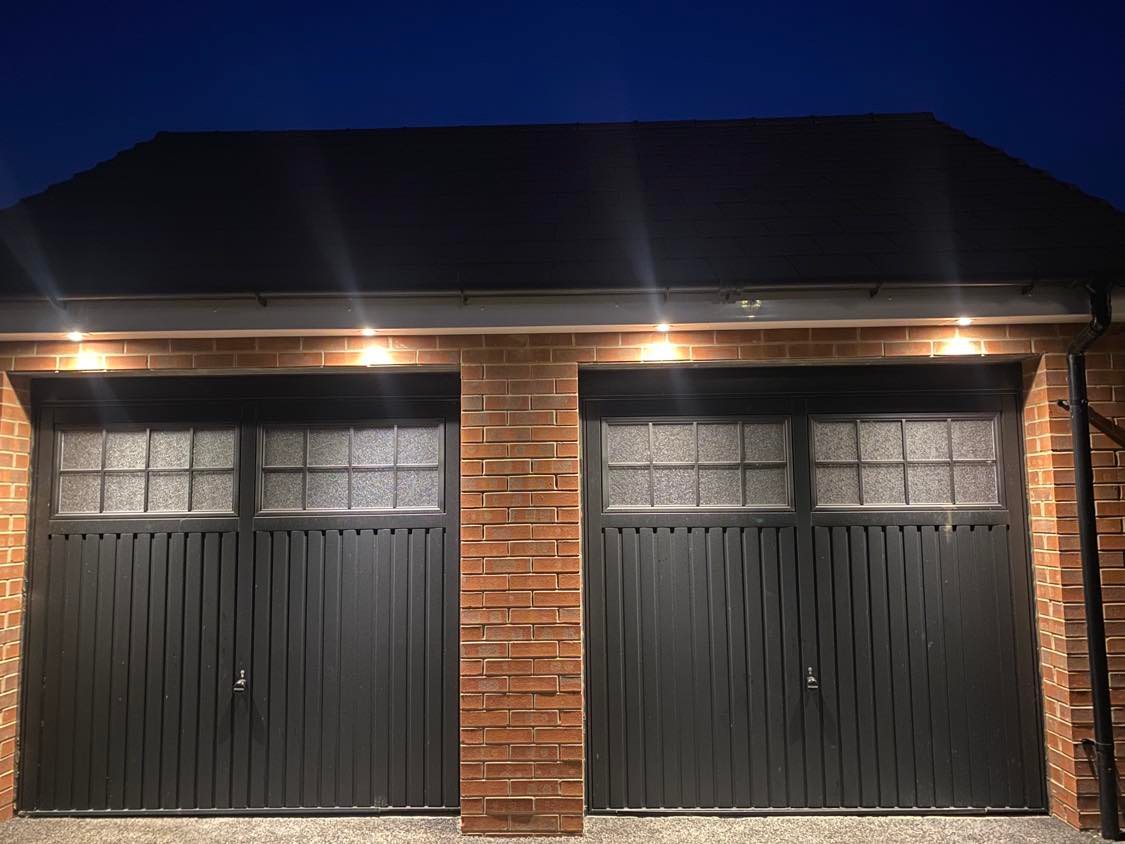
(576, 124)
(1020, 162)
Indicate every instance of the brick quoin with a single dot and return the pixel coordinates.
(522, 740)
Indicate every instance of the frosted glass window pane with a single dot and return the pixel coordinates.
(628, 488)
(81, 450)
(927, 441)
(169, 449)
(929, 484)
(418, 488)
(674, 487)
(285, 447)
(124, 493)
(837, 485)
(80, 493)
(766, 486)
(214, 449)
(328, 447)
(975, 483)
(627, 444)
(282, 490)
(883, 485)
(673, 443)
(212, 491)
(373, 447)
(718, 443)
(168, 492)
(763, 441)
(328, 491)
(372, 490)
(880, 440)
(125, 449)
(719, 487)
(973, 439)
(835, 440)
(417, 446)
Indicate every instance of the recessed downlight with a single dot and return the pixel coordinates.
(75, 336)
(964, 321)
(368, 331)
(663, 327)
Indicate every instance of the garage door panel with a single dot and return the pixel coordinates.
(855, 654)
(929, 596)
(343, 624)
(349, 616)
(125, 670)
(703, 626)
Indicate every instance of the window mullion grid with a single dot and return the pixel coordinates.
(351, 437)
(741, 463)
(905, 462)
(651, 468)
(695, 446)
(191, 468)
(305, 470)
(394, 468)
(858, 463)
(949, 465)
(101, 472)
(148, 458)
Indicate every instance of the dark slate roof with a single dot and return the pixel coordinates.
(901, 197)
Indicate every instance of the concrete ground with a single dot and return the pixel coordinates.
(705, 830)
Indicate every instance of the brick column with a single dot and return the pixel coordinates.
(1068, 716)
(521, 589)
(15, 449)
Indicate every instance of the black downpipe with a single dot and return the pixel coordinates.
(1104, 758)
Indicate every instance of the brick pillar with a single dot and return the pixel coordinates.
(521, 593)
(1068, 716)
(15, 449)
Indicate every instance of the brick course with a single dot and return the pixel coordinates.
(521, 613)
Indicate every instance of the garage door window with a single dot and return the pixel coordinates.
(130, 470)
(906, 461)
(360, 468)
(696, 464)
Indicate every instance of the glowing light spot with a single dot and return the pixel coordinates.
(959, 346)
(89, 360)
(368, 332)
(964, 321)
(75, 336)
(376, 356)
(660, 351)
(663, 328)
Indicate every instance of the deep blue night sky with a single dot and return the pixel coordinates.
(78, 82)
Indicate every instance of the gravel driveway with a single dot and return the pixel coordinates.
(340, 830)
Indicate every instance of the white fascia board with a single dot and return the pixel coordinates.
(548, 312)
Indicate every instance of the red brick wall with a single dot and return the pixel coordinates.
(1068, 714)
(521, 673)
(15, 448)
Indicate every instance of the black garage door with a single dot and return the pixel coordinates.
(809, 590)
(243, 596)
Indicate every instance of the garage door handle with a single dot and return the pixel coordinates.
(811, 683)
(240, 684)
